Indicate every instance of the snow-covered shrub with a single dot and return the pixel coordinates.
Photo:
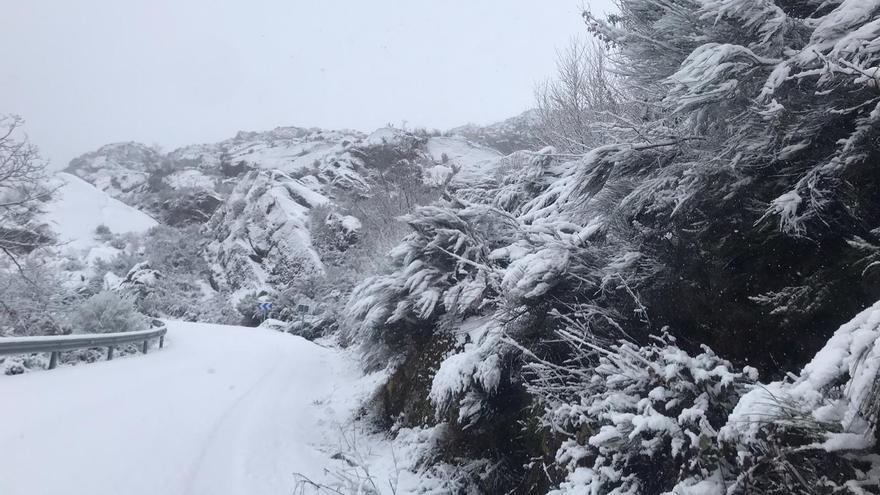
(107, 312)
(17, 364)
(103, 233)
(248, 307)
(119, 265)
(182, 297)
(34, 300)
(440, 268)
(311, 308)
(816, 432)
(334, 235)
(471, 373)
(175, 250)
(639, 419)
(166, 274)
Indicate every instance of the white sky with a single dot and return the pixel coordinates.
(88, 72)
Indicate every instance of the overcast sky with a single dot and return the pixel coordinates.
(88, 72)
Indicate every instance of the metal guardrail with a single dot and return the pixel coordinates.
(56, 344)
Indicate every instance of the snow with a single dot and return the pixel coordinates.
(787, 207)
(385, 135)
(112, 281)
(459, 151)
(477, 362)
(289, 158)
(274, 217)
(289, 149)
(100, 252)
(533, 275)
(704, 487)
(846, 369)
(846, 441)
(78, 208)
(438, 175)
(298, 188)
(351, 224)
(844, 19)
(220, 410)
(189, 178)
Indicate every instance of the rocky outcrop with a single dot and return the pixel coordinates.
(260, 235)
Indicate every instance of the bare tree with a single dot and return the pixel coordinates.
(578, 105)
(22, 190)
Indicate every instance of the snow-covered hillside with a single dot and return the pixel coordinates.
(254, 193)
(459, 151)
(133, 172)
(119, 169)
(77, 209)
(289, 149)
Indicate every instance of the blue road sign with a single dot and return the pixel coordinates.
(265, 307)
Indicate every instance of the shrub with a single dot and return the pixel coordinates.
(33, 301)
(639, 419)
(107, 312)
(175, 250)
(248, 308)
(103, 233)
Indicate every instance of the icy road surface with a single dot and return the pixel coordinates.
(220, 410)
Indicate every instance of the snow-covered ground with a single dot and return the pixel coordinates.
(78, 208)
(219, 410)
(460, 151)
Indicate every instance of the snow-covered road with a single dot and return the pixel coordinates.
(220, 410)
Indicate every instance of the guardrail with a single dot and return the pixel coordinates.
(56, 344)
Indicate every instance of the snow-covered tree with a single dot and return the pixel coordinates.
(22, 190)
(34, 300)
(734, 204)
(581, 102)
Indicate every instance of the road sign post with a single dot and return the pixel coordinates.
(265, 308)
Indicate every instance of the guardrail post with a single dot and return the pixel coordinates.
(146, 344)
(53, 360)
(110, 353)
(161, 341)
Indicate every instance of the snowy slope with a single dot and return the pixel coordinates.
(473, 163)
(289, 149)
(220, 410)
(459, 151)
(78, 208)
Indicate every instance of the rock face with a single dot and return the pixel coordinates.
(260, 234)
(150, 181)
(189, 206)
(122, 170)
